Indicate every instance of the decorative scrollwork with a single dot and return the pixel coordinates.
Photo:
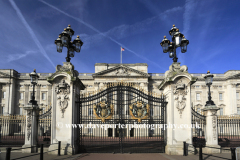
(180, 92)
(103, 110)
(62, 90)
(214, 123)
(139, 110)
(29, 123)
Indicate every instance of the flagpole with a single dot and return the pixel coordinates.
(121, 56)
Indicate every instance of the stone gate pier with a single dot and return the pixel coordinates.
(177, 88)
(66, 88)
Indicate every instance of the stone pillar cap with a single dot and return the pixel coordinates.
(211, 107)
(32, 107)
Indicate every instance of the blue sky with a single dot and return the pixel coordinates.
(29, 28)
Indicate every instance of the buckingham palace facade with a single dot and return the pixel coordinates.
(16, 88)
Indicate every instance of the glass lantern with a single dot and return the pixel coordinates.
(34, 77)
(184, 44)
(65, 37)
(208, 78)
(177, 38)
(165, 43)
(58, 43)
(78, 44)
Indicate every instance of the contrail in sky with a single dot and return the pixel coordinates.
(88, 25)
(34, 37)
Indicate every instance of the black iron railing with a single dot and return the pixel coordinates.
(12, 129)
(229, 131)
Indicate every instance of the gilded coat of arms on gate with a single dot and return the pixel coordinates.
(139, 110)
(103, 110)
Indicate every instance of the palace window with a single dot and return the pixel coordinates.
(221, 111)
(4, 95)
(43, 96)
(220, 96)
(198, 96)
(21, 95)
(197, 86)
(238, 110)
(31, 94)
(2, 110)
(20, 110)
(237, 95)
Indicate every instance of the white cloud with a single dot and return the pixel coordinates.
(189, 9)
(120, 31)
(14, 57)
(189, 6)
(34, 37)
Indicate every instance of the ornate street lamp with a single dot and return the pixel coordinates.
(64, 40)
(178, 40)
(34, 80)
(208, 80)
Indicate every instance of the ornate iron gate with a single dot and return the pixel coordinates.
(198, 128)
(122, 119)
(44, 126)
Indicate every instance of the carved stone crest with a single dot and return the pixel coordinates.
(65, 68)
(175, 68)
(214, 123)
(214, 112)
(103, 110)
(122, 72)
(62, 90)
(139, 110)
(180, 92)
(29, 123)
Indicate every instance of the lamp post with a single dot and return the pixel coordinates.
(34, 80)
(64, 40)
(208, 80)
(178, 40)
(32, 118)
